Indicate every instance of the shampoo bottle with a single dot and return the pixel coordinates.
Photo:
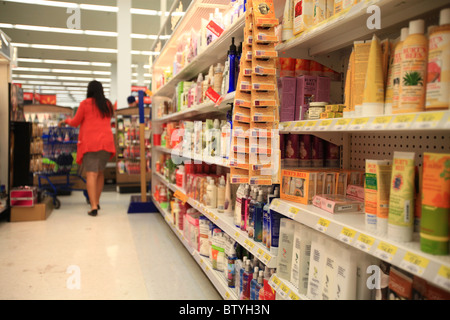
(211, 192)
(246, 280)
(251, 214)
(232, 67)
(228, 204)
(238, 206)
(244, 208)
(253, 283)
(438, 80)
(260, 286)
(221, 195)
(414, 70)
(231, 270)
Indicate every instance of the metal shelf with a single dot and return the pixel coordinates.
(343, 29)
(227, 225)
(423, 121)
(204, 108)
(350, 229)
(215, 52)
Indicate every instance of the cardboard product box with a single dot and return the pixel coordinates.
(287, 89)
(298, 185)
(310, 88)
(337, 203)
(40, 211)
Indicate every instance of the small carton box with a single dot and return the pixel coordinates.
(40, 211)
(337, 203)
(298, 185)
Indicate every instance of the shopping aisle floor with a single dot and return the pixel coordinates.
(112, 256)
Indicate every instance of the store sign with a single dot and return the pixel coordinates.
(28, 96)
(214, 28)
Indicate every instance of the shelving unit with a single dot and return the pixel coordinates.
(360, 138)
(125, 180)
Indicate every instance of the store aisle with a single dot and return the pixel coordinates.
(112, 256)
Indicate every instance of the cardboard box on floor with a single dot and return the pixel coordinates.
(40, 211)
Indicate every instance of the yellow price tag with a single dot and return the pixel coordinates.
(364, 242)
(293, 296)
(382, 120)
(276, 203)
(324, 124)
(385, 251)
(347, 235)
(404, 118)
(293, 211)
(310, 124)
(428, 120)
(259, 252)
(237, 234)
(267, 257)
(322, 224)
(358, 123)
(443, 277)
(276, 281)
(414, 263)
(444, 272)
(285, 289)
(299, 125)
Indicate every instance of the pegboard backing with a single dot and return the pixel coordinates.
(381, 146)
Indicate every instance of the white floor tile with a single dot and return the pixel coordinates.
(118, 255)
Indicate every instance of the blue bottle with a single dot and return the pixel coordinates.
(232, 65)
(253, 284)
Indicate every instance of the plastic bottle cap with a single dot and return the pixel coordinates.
(404, 34)
(444, 18)
(417, 27)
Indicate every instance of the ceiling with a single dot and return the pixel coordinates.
(59, 60)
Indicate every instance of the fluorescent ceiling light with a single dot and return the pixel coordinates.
(94, 7)
(73, 48)
(31, 76)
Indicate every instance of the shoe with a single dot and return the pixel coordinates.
(98, 207)
(93, 212)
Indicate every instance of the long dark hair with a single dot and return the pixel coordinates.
(95, 91)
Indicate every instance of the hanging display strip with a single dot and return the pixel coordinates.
(350, 229)
(216, 277)
(227, 225)
(285, 289)
(438, 120)
(257, 103)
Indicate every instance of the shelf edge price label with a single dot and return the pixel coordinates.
(380, 123)
(267, 258)
(358, 123)
(414, 263)
(310, 125)
(275, 203)
(403, 121)
(298, 126)
(385, 251)
(293, 296)
(285, 126)
(274, 282)
(443, 277)
(364, 242)
(324, 125)
(322, 225)
(283, 290)
(292, 212)
(259, 253)
(427, 120)
(347, 235)
(341, 124)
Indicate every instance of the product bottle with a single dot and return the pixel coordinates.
(215, 139)
(225, 139)
(238, 207)
(246, 280)
(260, 286)
(199, 94)
(414, 70)
(393, 85)
(228, 204)
(218, 74)
(438, 80)
(251, 213)
(211, 192)
(244, 208)
(258, 218)
(231, 274)
(232, 67)
(253, 284)
(180, 177)
(221, 195)
(241, 277)
(269, 292)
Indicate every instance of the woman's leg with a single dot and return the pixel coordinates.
(100, 184)
(91, 186)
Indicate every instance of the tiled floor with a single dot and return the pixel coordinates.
(112, 256)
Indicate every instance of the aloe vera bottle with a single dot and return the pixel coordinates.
(414, 70)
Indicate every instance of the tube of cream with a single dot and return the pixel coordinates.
(373, 101)
(401, 200)
(434, 225)
(383, 188)
(371, 192)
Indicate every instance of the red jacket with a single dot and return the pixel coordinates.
(95, 131)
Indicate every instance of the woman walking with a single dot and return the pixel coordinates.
(95, 140)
